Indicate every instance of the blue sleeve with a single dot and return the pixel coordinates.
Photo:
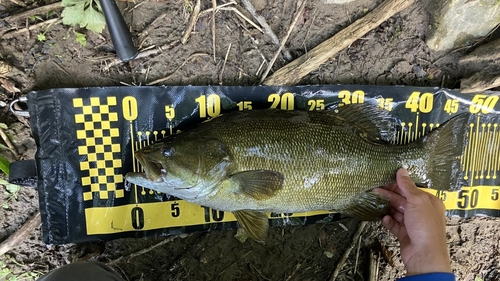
(438, 276)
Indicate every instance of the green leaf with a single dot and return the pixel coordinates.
(73, 15)
(41, 37)
(86, 13)
(68, 3)
(3, 126)
(4, 165)
(93, 20)
(12, 188)
(81, 38)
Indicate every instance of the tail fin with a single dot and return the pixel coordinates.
(445, 146)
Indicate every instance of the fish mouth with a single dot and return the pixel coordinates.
(153, 171)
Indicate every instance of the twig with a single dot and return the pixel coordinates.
(171, 74)
(28, 228)
(151, 25)
(141, 252)
(294, 71)
(13, 33)
(144, 54)
(214, 6)
(40, 10)
(374, 264)
(243, 17)
(7, 141)
(357, 255)
(224, 64)
(227, 267)
(192, 22)
(267, 29)
(283, 41)
(19, 3)
(315, 13)
(342, 261)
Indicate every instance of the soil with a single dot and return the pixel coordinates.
(394, 53)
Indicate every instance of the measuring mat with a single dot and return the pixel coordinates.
(86, 140)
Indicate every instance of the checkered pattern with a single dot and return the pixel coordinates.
(103, 156)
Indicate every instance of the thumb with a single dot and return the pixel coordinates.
(406, 184)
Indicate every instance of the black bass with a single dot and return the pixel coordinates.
(260, 161)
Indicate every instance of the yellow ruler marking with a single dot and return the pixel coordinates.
(492, 168)
(416, 128)
(476, 149)
(401, 140)
(468, 160)
(157, 215)
(497, 155)
(471, 198)
(490, 150)
(482, 151)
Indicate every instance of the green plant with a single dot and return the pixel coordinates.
(85, 13)
(7, 274)
(81, 38)
(41, 37)
(4, 165)
(11, 193)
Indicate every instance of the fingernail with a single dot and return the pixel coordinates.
(404, 172)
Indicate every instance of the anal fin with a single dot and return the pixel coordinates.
(255, 223)
(370, 206)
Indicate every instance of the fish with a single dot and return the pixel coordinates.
(258, 161)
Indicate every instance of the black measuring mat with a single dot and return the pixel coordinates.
(86, 138)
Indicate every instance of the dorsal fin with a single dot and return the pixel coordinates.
(368, 120)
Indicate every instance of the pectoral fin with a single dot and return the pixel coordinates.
(369, 206)
(254, 223)
(260, 184)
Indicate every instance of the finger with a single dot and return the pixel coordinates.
(397, 201)
(406, 184)
(437, 203)
(392, 225)
(398, 216)
(393, 187)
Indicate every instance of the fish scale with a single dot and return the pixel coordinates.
(297, 161)
(288, 141)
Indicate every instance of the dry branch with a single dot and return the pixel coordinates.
(292, 25)
(192, 22)
(294, 71)
(144, 54)
(486, 53)
(214, 6)
(173, 72)
(21, 234)
(485, 79)
(14, 33)
(267, 29)
(40, 10)
(143, 251)
(354, 241)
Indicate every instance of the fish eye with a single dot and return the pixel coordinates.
(168, 151)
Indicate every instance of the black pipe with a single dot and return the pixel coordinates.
(118, 30)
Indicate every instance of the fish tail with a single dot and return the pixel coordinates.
(444, 146)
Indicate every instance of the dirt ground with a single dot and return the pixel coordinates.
(394, 53)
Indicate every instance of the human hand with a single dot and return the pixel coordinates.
(418, 221)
